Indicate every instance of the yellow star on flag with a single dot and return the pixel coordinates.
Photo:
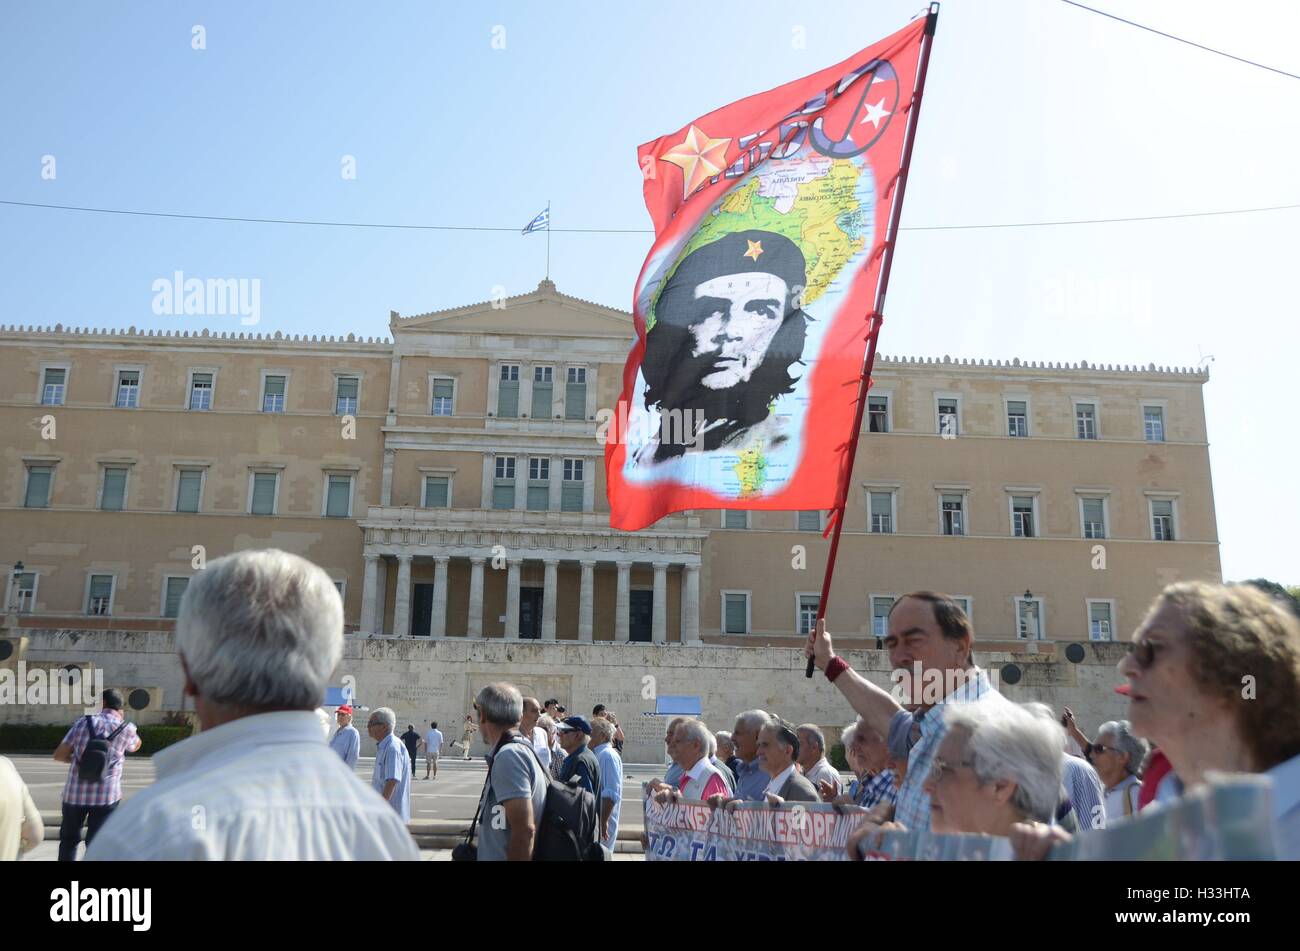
(699, 157)
(755, 249)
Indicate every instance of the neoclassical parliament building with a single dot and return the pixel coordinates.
(451, 481)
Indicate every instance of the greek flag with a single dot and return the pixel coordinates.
(541, 223)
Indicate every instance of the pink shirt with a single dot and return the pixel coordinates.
(716, 786)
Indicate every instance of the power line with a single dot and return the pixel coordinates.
(410, 227)
(1170, 36)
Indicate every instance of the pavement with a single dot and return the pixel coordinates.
(441, 808)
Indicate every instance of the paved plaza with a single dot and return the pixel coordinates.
(451, 797)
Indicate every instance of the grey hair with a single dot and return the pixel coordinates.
(722, 736)
(1019, 742)
(547, 723)
(754, 719)
(817, 733)
(846, 737)
(261, 629)
(385, 714)
(602, 731)
(501, 704)
(694, 730)
(1125, 742)
(712, 746)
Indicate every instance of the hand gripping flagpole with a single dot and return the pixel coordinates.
(876, 317)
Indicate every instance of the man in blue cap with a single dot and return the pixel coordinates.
(575, 735)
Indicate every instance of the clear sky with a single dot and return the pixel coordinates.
(1035, 111)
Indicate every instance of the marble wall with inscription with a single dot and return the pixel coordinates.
(426, 680)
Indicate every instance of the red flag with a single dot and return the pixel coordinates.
(753, 308)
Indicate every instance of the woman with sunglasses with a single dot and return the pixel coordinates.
(1214, 682)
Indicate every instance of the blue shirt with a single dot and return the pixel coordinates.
(1286, 807)
(674, 775)
(393, 762)
(611, 788)
(874, 789)
(1086, 793)
(913, 805)
(751, 781)
(347, 743)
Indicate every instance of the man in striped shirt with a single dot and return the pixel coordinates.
(90, 802)
(930, 640)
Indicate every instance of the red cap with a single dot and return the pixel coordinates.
(345, 709)
(1123, 690)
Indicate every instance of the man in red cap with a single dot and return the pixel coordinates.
(347, 741)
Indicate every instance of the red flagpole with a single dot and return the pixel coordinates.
(877, 315)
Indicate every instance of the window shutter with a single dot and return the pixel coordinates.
(263, 493)
(736, 614)
(175, 590)
(275, 386)
(503, 495)
(336, 502)
(114, 490)
(187, 493)
(571, 498)
(539, 497)
(810, 521)
(38, 487)
(542, 393)
(435, 492)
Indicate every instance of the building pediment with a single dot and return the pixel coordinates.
(544, 310)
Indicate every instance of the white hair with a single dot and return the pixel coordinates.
(1018, 742)
(817, 734)
(261, 629)
(501, 704)
(722, 736)
(386, 716)
(1126, 742)
(547, 723)
(694, 731)
(602, 731)
(712, 745)
(754, 719)
(847, 736)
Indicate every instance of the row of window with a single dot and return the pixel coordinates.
(537, 497)
(263, 490)
(542, 401)
(1029, 613)
(1094, 515)
(101, 591)
(949, 421)
(338, 489)
(347, 391)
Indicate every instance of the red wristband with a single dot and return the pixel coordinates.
(835, 667)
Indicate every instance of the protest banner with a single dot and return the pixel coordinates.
(693, 831)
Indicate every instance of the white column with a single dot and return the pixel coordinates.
(548, 599)
(475, 626)
(526, 391)
(402, 599)
(691, 604)
(368, 591)
(381, 595)
(521, 482)
(512, 598)
(591, 392)
(557, 480)
(587, 602)
(589, 484)
(489, 473)
(659, 624)
(438, 624)
(622, 603)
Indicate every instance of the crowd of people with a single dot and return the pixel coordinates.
(1213, 686)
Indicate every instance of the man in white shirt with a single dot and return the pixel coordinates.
(812, 759)
(529, 729)
(258, 635)
(432, 747)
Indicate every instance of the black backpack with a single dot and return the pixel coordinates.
(98, 754)
(570, 826)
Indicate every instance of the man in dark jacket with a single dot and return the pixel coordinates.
(575, 735)
(778, 748)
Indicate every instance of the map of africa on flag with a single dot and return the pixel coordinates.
(753, 307)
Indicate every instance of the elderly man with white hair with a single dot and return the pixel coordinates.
(813, 762)
(611, 779)
(391, 776)
(258, 635)
(700, 779)
(513, 800)
(1117, 756)
(751, 781)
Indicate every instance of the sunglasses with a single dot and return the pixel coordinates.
(1144, 652)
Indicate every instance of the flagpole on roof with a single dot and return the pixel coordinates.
(548, 239)
(877, 315)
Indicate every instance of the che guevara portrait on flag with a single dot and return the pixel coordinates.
(754, 305)
(727, 341)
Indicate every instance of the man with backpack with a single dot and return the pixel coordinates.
(96, 747)
(523, 815)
